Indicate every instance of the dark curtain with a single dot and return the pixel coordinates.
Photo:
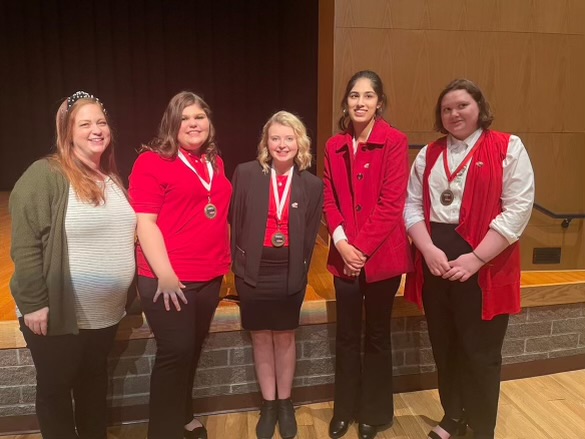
(247, 59)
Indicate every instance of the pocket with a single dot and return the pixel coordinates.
(240, 261)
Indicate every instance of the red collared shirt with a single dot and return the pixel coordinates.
(273, 225)
(198, 247)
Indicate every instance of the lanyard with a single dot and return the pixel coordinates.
(466, 160)
(206, 185)
(280, 202)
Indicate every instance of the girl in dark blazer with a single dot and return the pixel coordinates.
(275, 216)
(365, 177)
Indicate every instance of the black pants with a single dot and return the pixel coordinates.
(179, 338)
(467, 349)
(66, 363)
(363, 391)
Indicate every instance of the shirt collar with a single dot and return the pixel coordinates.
(377, 137)
(469, 142)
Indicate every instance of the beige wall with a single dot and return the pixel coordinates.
(527, 55)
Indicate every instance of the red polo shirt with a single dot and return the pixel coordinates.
(198, 247)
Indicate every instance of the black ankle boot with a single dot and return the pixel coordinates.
(267, 422)
(287, 423)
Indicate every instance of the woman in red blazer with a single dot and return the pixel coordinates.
(365, 179)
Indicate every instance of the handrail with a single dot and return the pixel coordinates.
(566, 217)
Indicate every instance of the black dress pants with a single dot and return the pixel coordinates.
(71, 363)
(467, 349)
(363, 390)
(179, 338)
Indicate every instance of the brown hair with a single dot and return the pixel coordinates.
(83, 179)
(303, 157)
(165, 143)
(378, 87)
(485, 118)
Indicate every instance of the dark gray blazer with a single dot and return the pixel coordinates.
(248, 215)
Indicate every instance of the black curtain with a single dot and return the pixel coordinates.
(247, 59)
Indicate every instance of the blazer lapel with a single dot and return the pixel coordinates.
(258, 203)
(297, 208)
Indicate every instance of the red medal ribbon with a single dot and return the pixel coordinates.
(466, 160)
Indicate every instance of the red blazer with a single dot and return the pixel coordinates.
(366, 194)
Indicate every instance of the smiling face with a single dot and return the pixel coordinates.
(362, 102)
(194, 129)
(459, 114)
(90, 133)
(282, 146)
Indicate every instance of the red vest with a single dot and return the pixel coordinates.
(499, 280)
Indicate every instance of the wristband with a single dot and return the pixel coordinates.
(475, 254)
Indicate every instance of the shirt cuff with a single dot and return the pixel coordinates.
(510, 236)
(338, 235)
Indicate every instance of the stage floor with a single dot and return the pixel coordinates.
(320, 281)
(320, 289)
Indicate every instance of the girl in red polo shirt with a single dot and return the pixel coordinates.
(181, 196)
(365, 177)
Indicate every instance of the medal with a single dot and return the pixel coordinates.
(278, 239)
(209, 210)
(447, 197)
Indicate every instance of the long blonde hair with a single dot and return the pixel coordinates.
(303, 157)
(84, 179)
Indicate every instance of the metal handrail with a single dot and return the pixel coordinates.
(566, 217)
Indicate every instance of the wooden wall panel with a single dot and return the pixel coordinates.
(527, 55)
(558, 160)
(540, 16)
(534, 82)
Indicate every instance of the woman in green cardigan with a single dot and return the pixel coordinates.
(72, 247)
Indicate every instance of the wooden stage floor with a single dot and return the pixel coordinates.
(320, 288)
(546, 407)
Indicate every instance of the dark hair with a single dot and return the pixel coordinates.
(378, 87)
(165, 143)
(485, 118)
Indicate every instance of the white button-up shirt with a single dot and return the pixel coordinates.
(517, 192)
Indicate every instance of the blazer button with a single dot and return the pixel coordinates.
(358, 208)
(360, 176)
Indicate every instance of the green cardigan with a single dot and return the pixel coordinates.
(39, 248)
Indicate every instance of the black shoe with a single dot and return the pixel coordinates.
(367, 431)
(454, 428)
(287, 423)
(267, 422)
(338, 428)
(196, 433)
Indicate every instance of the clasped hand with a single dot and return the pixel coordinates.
(459, 269)
(353, 259)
